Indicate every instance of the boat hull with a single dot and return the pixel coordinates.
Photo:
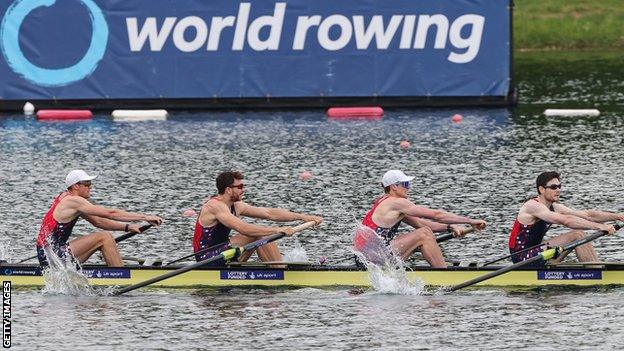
(318, 275)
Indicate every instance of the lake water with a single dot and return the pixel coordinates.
(483, 167)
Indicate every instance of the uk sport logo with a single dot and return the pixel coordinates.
(10, 45)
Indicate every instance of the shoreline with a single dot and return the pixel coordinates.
(564, 25)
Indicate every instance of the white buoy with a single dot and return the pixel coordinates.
(551, 112)
(29, 108)
(139, 115)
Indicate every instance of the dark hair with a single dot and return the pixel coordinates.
(226, 179)
(544, 178)
(386, 189)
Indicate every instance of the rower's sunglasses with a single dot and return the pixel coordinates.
(406, 185)
(87, 184)
(553, 186)
(239, 186)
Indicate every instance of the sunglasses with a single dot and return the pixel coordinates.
(553, 186)
(239, 186)
(406, 185)
(87, 184)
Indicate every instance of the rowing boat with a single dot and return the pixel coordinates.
(311, 275)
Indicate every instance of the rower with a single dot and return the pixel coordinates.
(393, 208)
(220, 214)
(538, 214)
(65, 211)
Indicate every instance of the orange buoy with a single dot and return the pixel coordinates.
(63, 115)
(371, 112)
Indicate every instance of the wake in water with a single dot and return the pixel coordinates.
(64, 276)
(386, 271)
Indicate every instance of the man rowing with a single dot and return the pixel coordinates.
(65, 211)
(538, 214)
(221, 214)
(393, 208)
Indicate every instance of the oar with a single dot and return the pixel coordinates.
(447, 236)
(515, 253)
(543, 256)
(117, 240)
(225, 255)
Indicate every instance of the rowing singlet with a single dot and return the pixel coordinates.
(54, 234)
(387, 233)
(523, 236)
(218, 236)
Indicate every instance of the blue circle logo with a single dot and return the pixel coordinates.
(9, 31)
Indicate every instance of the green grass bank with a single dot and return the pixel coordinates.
(568, 25)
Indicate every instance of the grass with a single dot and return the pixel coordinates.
(568, 24)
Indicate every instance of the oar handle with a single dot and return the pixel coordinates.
(130, 235)
(303, 226)
(447, 236)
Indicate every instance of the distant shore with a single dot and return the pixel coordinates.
(568, 25)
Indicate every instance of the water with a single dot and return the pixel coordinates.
(483, 167)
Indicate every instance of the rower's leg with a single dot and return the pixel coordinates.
(268, 252)
(83, 248)
(584, 253)
(422, 238)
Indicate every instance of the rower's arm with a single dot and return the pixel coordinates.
(224, 216)
(86, 208)
(276, 214)
(418, 222)
(590, 215)
(411, 209)
(571, 221)
(105, 223)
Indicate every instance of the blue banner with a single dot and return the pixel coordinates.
(212, 49)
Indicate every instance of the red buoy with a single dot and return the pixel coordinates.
(63, 115)
(371, 112)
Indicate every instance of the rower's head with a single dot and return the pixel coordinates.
(549, 185)
(230, 183)
(79, 183)
(396, 182)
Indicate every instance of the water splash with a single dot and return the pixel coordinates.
(296, 253)
(63, 277)
(386, 270)
(5, 250)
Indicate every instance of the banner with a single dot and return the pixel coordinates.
(222, 49)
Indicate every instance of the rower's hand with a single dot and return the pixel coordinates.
(478, 224)
(457, 231)
(154, 220)
(289, 231)
(609, 228)
(134, 228)
(311, 218)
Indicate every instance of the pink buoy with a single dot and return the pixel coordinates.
(189, 213)
(63, 115)
(342, 113)
(305, 175)
(457, 118)
(404, 144)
